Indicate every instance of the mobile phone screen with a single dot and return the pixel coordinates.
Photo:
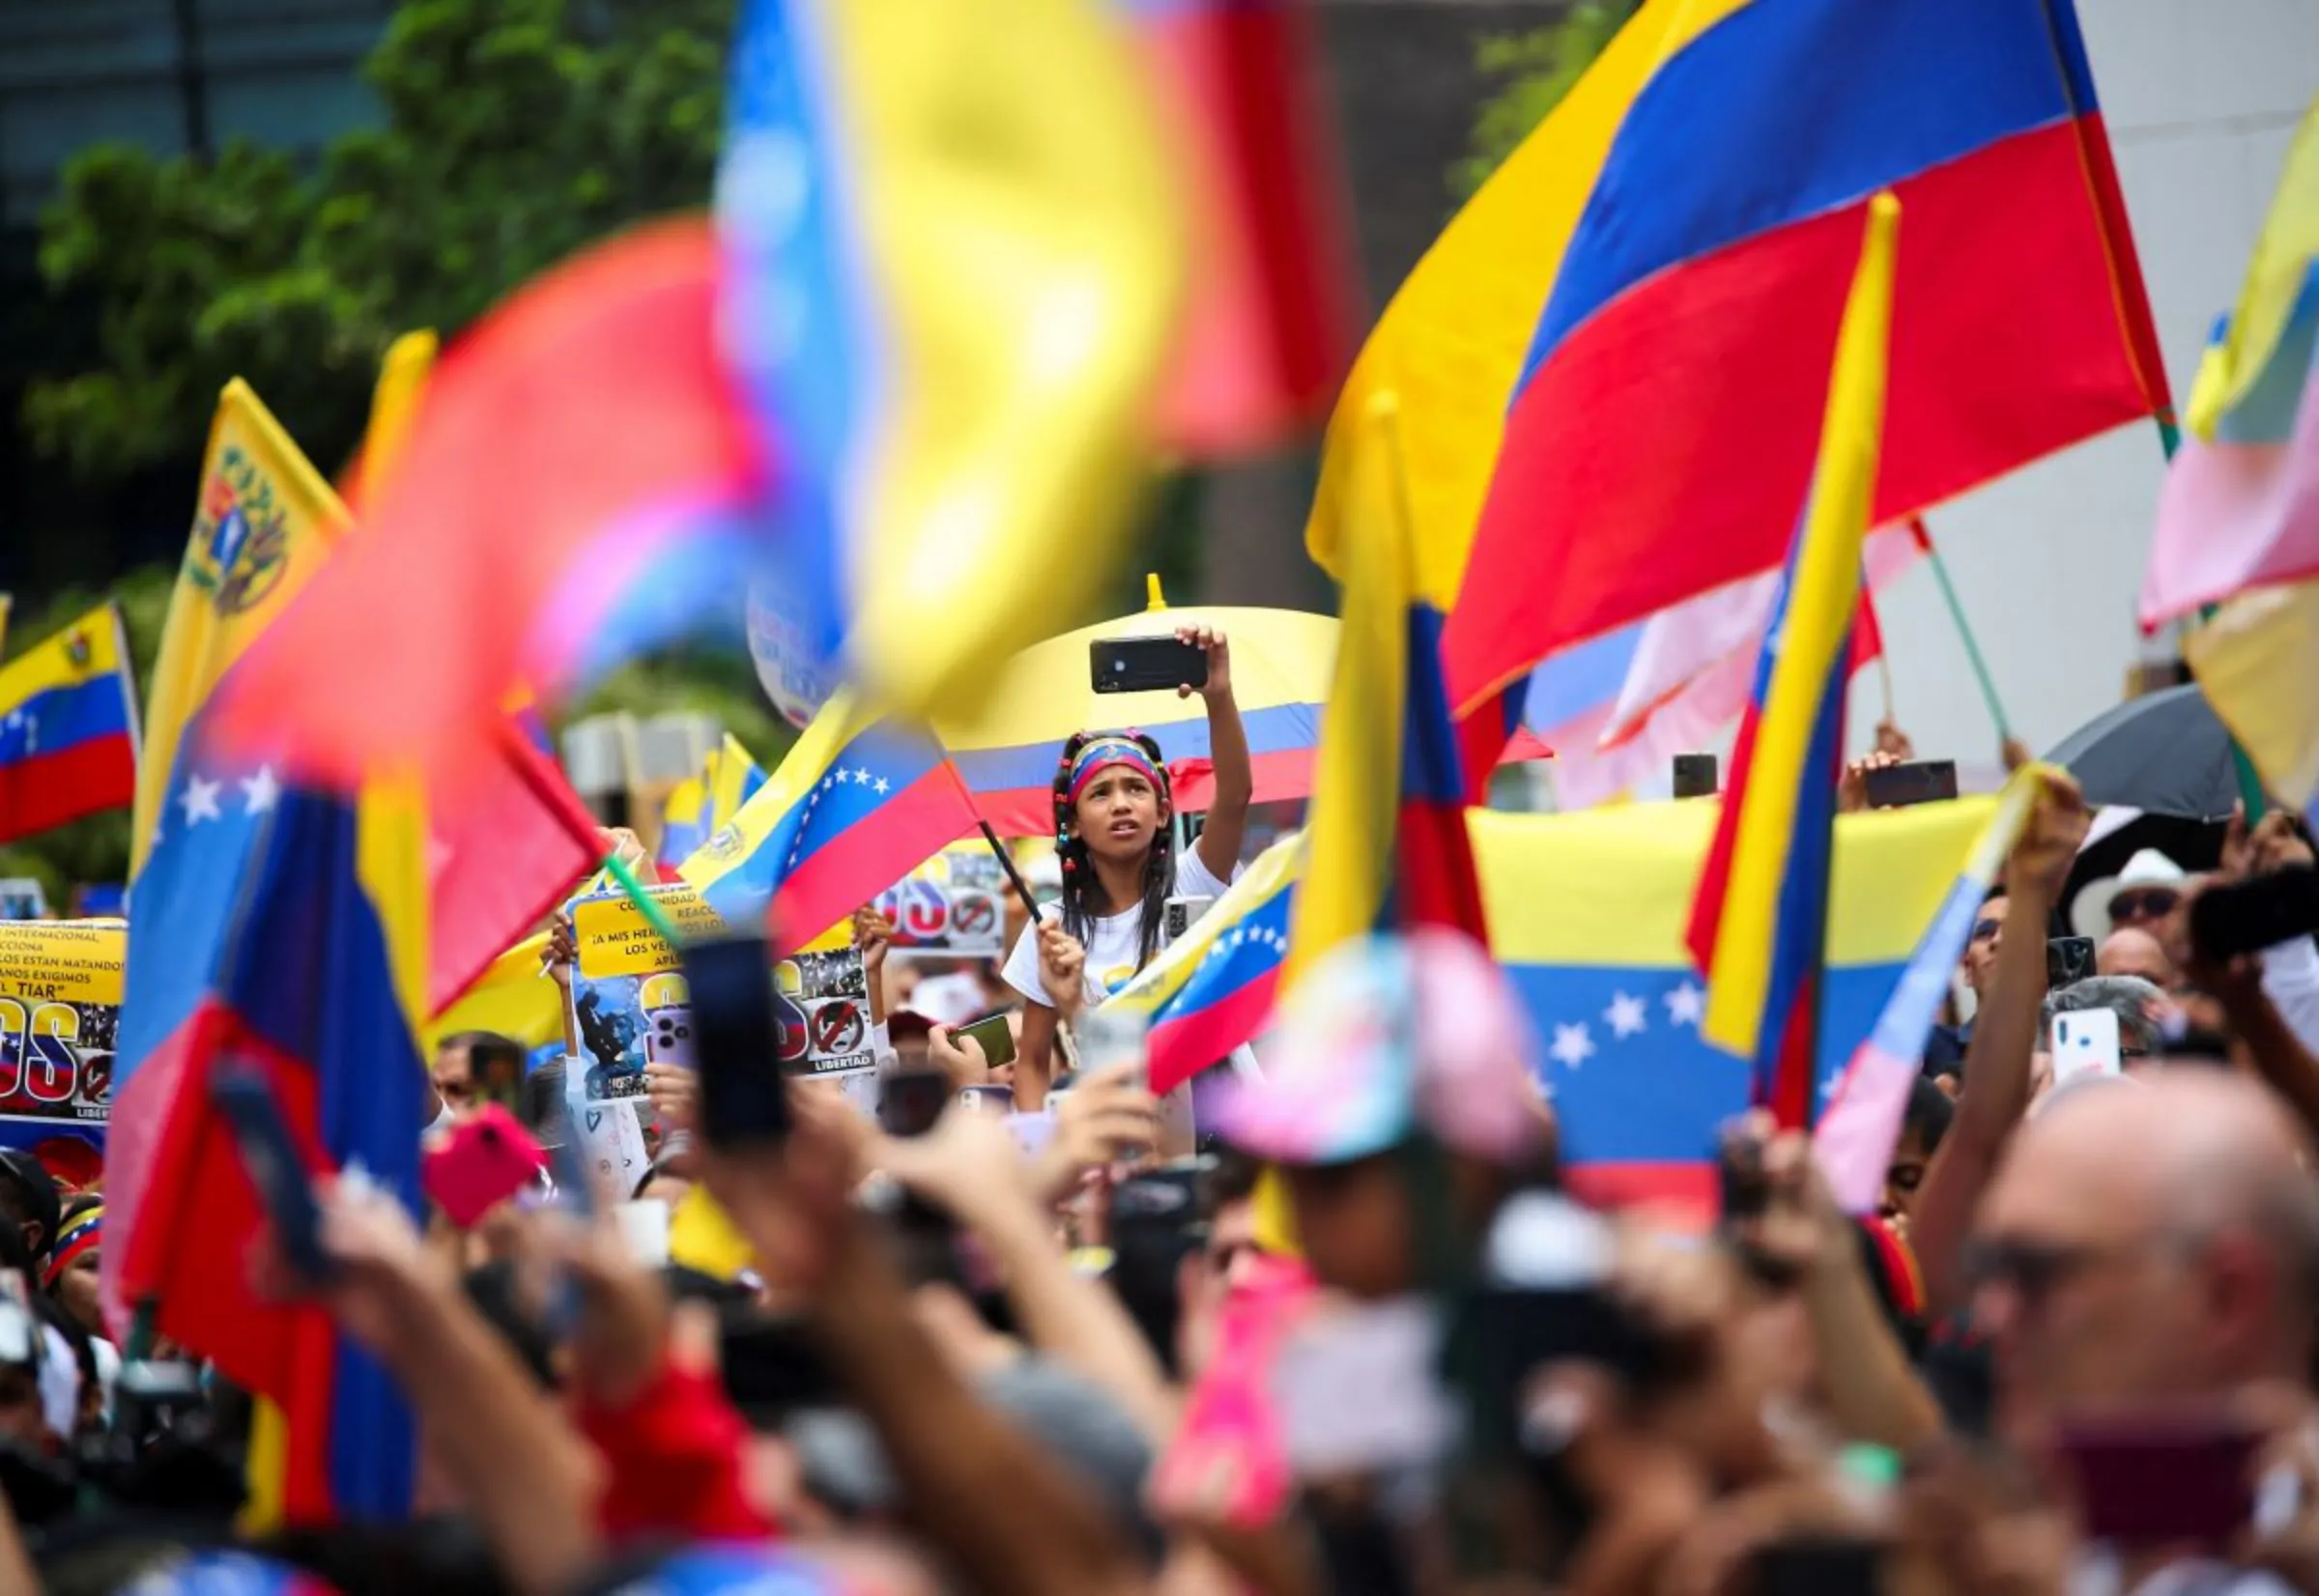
(2068, 959)
(744, 1095)
(993, 1035)
(1144, 665)
(2085, 1043)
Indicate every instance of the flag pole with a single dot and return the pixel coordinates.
(1964, 630)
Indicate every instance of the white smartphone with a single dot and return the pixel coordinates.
(2085, 1044)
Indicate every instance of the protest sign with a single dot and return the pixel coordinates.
(952, 905)
(631, 1005)
(60, 1008)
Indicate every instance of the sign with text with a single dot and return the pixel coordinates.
(59, 1008)
(631, 1005)
(953, 905)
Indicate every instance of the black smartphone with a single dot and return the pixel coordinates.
(1695, 775)
(1743, 1190)
(1819, 1566)
(2246, 917)
(2068, 959)
(1145, 665)
(994, 1036)
(912, 1100)
(2163, 1479)
(1918, 781)
(1155, 1224)
(277, 1168)
(744, 1095)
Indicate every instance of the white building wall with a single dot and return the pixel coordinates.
(2201, 97)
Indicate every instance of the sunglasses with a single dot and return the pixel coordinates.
(1985, 931)
(2143, 904)
(2036, 1269)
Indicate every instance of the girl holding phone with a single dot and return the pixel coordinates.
(1112, 811)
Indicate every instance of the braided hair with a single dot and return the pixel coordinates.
(1081, 888)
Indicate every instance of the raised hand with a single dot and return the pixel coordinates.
(1219, 649)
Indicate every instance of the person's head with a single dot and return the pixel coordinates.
(1923, 1124)
(29, 1199)
(1981, 948)
(1112, 808)
(2139, 896)
(2146, 1241)
(2136, 1002)
(1228, 1257)
(461, 1061)
(540, 1105)
(71, 1275)
(1394, 1051)
(2131, 951)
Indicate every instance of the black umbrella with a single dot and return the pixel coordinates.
(2164, 754)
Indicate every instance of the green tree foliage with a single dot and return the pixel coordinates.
(1535, 67)
(513, 133)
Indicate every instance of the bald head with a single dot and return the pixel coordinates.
(2134, 951)
(2188, 1155)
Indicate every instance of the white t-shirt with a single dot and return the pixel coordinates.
(1112, 940)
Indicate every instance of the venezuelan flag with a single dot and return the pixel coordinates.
(1387, 829)
(1760, 924)
(68, 728)
(1587, 913)
(1269, 328)
(1214, 988)
(683, 820)
(285, 928)
(907, 195)
(1610, 359)
(856, 806)
(1861, 1123)
(2241, 506)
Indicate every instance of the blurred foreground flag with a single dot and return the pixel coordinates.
(2241, 507)
(573, 490)
(857, 804)
(1386, 825)
(2257, 661)
(1860, 1123)
(1214, 988)
(952, 255)
(1588, 914)
(67, 727)
(1760, 921)
(1611, 361)
(1269, 327)
(286, 932)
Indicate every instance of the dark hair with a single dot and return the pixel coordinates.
(1230, 1179)
(1929, 1114)
(540, 1103)
(1080, 884)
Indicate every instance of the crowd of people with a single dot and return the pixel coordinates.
(1337, 1329)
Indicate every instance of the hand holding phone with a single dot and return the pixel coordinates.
(1915, 781)
(993, 1035)
(2069, 961)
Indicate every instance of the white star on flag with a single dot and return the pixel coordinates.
(1686, 1004)
(880, 786)
(260, 791)
(200, 800)
(1627, 1015)
(1573, 1047)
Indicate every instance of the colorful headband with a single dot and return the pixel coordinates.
(83, 1233)
(1101, 756)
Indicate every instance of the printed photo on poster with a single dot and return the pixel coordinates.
(953, 905)
(60, 1010)
(631, 1005)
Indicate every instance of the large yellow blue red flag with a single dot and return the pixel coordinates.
(1610, 359)
(1388, 826)
(1758, 927)
(1587, 915)
(67, 727)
